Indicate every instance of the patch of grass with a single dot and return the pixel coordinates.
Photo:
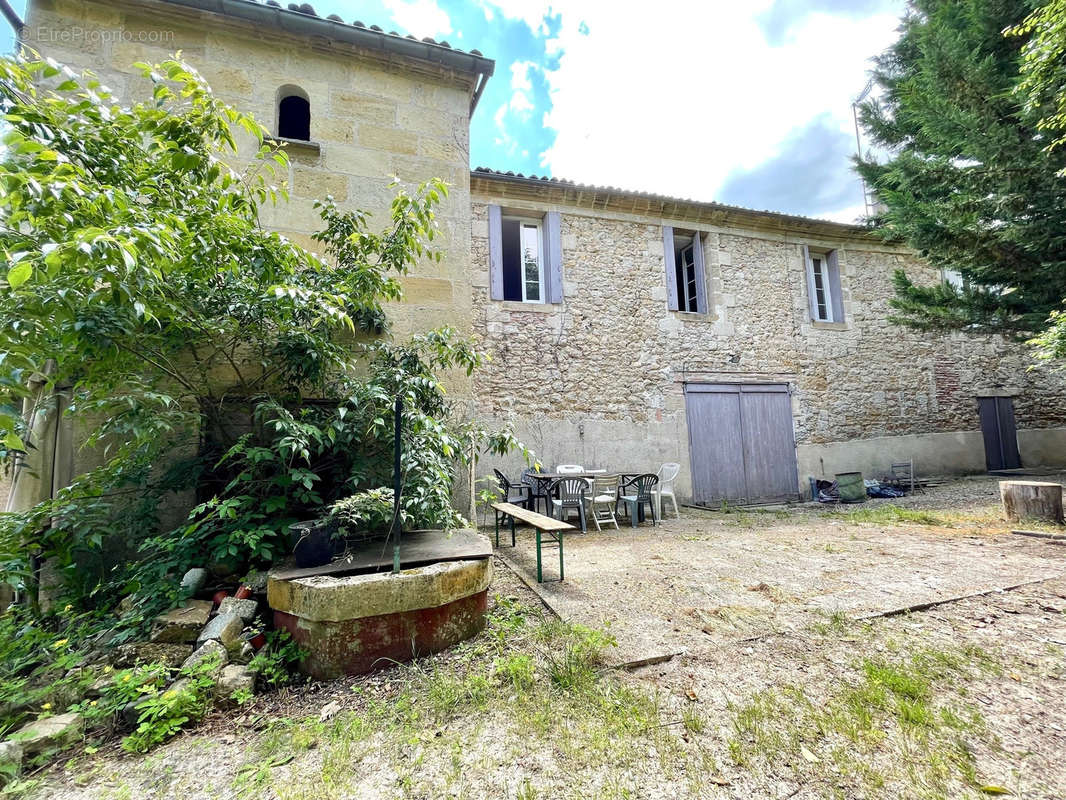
(526, 679)
(836, 622)
(691, 720)
(902, 706)
(889, 514)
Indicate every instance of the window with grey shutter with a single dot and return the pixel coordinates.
(685, 277)
(553, 232)
(495, 253)
(670, 263)
(525, 257)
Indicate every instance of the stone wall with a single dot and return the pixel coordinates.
(599, 378)
(373, 116)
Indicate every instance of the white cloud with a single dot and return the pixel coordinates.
(520, 104)
(420, 17)
(520, 75)
(674, 99)
(532, 12)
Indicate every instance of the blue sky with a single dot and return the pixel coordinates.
(746, 103)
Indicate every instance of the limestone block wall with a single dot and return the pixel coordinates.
(599, 378)
(373, 117)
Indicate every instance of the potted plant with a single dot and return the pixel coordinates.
(317, 541)
(364, 516)
(361, 517)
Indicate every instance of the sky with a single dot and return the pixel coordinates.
(747, 103)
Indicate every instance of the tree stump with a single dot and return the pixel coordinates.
(1032, 500)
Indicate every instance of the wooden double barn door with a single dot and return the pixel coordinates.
(741, 444)
(1000, 433)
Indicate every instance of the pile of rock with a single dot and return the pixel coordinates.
(199, 630)
(180, 638)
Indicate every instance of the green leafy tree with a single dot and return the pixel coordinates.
(1043, 84)
(969, 181)
(1043, 90)
(140, 280)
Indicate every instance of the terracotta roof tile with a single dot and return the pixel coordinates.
(309, 10)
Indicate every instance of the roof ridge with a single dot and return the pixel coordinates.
(488, 171)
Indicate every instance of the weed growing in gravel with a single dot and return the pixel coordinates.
(902, 706)
(526, 679)
(888, 514)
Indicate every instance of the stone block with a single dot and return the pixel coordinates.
(205, 651)
(182, 624)
(317, 183)
(427, 291)
(234, 678)
(245, 609)
(170, 653)
(392, 140)
(326, 598)
(193, 580)
(50, 733)
(10, 759)
(224, 627)
(362, 108)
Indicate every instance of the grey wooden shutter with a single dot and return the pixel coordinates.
(495, 253)
(812, 296)
(697, 260)
(553, 279)
(671, 267)
(832, 263)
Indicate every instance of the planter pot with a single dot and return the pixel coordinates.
(243, 593)
(258, 641)
(315, 543)
(219, 596)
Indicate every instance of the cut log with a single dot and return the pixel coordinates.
(1032, 500)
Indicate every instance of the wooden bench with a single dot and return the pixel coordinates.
(554, 528)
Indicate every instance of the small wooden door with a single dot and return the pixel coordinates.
(1000, 433)
(741, 444)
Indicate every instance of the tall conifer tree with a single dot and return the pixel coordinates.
(969, 181)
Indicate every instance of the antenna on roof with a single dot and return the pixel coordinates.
(858, 141)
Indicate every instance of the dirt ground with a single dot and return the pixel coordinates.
(694, 584)
(783, 665)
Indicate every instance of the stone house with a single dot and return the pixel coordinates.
(626, 329)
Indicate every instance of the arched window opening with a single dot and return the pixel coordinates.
(294, 118)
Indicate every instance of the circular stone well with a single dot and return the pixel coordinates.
(353, 624)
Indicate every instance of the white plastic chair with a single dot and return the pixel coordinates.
(604, 498)
(569, 469)
(667, 473)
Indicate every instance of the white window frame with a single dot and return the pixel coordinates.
(523, 224)
(688, 291)
(820, 272)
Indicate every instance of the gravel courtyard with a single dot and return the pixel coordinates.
(710, 579)
(760, 654)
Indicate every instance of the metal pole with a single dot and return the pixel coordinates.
(858, 151)
(396, 486)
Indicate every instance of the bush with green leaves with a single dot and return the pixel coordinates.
(161, 714)
(370, 511)
(206, 352)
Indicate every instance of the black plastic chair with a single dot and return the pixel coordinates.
(537, 488)
(516, 493)
(567, 493)
(637, 491)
